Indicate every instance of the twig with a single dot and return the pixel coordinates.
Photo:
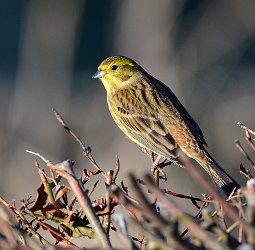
(84, 179)
(240, 234)
(85, 150)
(189, 197)
(193, 227)
(93, 188)
(107, 218)
(183, 196)
(196, 216)
(121, 222)
(239, 146)
(148, 208)
(65, 170)
(117, 169)
(248, 138)
(158, 242)
(246, 128)
(245, 172)
(6, 226)
(54, 232)
(233, 226)
(21, 219)
(214, 193)
(37, 154)
(121, 197)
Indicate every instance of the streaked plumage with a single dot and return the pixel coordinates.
(149, 113)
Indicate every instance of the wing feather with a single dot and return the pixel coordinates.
(169, 96)
(147, 129)
(138, 112)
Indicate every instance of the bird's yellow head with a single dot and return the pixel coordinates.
(116, 71)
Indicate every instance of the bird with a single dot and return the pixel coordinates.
(150, 114)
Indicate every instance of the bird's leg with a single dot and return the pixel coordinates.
(155, 163)
(155, 169)
(157, 166)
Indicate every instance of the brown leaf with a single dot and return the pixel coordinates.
(60, 191)
(100, 206)
(53, 211)
(69, 217)
(59, 236)
(90, 173)
(40, 200)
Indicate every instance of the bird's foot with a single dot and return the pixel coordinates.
(158, 165)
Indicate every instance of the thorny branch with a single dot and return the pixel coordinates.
(66, 210)
(85, 150)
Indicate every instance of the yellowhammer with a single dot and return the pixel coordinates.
(149, 113)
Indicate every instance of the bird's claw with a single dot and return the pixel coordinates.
(157, 165)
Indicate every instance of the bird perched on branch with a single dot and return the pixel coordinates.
(149, 113)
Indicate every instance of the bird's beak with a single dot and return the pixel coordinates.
(99, 74)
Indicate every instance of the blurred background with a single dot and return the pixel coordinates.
(203, 50)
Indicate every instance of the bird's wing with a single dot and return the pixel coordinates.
(170, 96)
(146, 129)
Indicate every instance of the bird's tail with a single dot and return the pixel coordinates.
(218, 175)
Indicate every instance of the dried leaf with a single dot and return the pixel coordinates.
(90, 173)
(61, 191)
(69, 217)
(50, 209)
(100, 206)
(40, 200)
(59, 236)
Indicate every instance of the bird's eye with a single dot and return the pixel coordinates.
(114, 67)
